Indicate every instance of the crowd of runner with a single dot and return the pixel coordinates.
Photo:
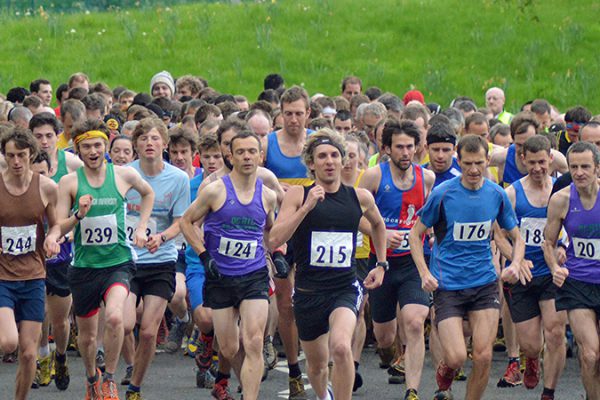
(201, 223)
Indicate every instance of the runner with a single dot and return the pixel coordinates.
(577, 208)
(45, 129)
(23, 252)
(236, 209)
(322, 222)
(462, 275)
(532, 306)
(103, 260)
(154, 279)
(400, 188)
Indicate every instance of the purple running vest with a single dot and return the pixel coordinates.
(583, 228)
(234, 234)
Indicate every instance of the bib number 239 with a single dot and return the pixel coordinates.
(331, 249)
(472, 231)
(99, 231)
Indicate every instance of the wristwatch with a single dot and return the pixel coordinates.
(384, 264)
(163, 237)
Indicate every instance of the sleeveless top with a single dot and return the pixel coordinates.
(583, 228)
(287, 169)
(399, 207)
(100, 237)
(66, 248)
(61, 166)
(532, 221)
(22, 233)
(234, 233)
(325, 242)
(511, 172)
(362, 241)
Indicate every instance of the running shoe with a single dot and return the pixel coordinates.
(100, 363)
(109, 390)
(129, 395)
(386, 356)
(10, 358)
(93, 390)
(531, 377)
(45, 369)
(269, 353)
(296, 386)
(512, 376)
(128, 374)
(411, 394)
(61, 376)
(460, 375)
(443, 395)
(444, 376)
(175, 337)
(396, 372)
(36, 379)
(221, 391)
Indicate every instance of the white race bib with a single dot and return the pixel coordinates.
(17, 240)
(132, 221)
(472, 231)
(404, 245)
(532, 231)
(99, 231)
(331, 249)
(236, 248)
(587, 248)
(359, 239)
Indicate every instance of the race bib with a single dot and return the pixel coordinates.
(532, 231)
(331, 249)
(236, 248)
(472, 231)
(359, 239)
(18, 240)
(99, 231)
(180, 242)
(132, 221)
(587, 248)
(404, 245)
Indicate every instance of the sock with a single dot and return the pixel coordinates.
(514, 359)
(100, 348)
(185, 319)
(294, 370)
(222, 377)
(61, 358)
(93, 379)
(44, 351)
(548, 392)
(109, 376)
(132, 388)
(411, 390)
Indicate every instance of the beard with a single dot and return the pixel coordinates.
(399, 165)
(227, 163)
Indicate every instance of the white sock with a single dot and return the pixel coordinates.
(185, 319)
(327, 396)
(44, 351)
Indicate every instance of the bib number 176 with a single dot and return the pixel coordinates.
(472, 231)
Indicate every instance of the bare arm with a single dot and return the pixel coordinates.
(292, 213)
(499, 236)
(559, 162)
(428, 281)
(270, 181)
(429, 181)
(197, 211)
(66, 194)
(271, 202)
(556, 214)
(135, 181)
(73, 162)
(498, 157)
(371, 213)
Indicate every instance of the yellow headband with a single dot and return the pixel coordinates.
(90, 135)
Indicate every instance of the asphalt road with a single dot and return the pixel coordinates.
(173, 377)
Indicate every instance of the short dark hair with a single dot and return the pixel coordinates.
(93, 102)
(343, 115)
(231, 123)
(182, 136)
(293, 94)
(120, 137)
(373, 93)
(393, 127)
(204, 111)
(17, 94)
(537, 143)
(34, 86)
(23, 139)
(540, 106)
(62, 88)
(243, 135)
(44, 118)
(269, 95)
(440, 133)
(349, 80)
(578, 114)
(32, 101)
(273, 81)
(471, 144)
(521, 122)
(582, 147)
(42, 157)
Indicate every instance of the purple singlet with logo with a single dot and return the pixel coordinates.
(234, 234)
(583, 228)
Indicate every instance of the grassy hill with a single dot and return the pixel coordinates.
(444, 48)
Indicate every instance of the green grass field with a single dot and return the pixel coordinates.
(444, 48)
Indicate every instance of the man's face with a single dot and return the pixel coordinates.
(494, 100)
(211, 160)
(121, 152)
(41, 168)
(181, 155)
(521, 138)
(402, 151)
(440, 156)
(479, 130)
(45, 93)
(583, 169)
(260, 125)
(17, 159)
(327, 163)
(225, 149)
(537, 165)
(46, 138)
(351, 89)
(473, 166)
(343, 127)
(246, 155)
(36, 110)
(544, 120)
(126, 102)
(294, 117)
(591, 134)
(68, 122)
(573, 131)
(150, 145)
(183, 91)
(161, 90)
(91, 151)
(369, 122)
(243, 105)
(503, 140)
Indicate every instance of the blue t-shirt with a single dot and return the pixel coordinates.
(191, 258)
(171, 199)
(462, 220)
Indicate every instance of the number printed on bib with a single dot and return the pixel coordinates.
(99, 231)
(532, 231)
(132, 221)
(237, 248)
(331, 249)
(586, 248)
(404, 245)
(472, 231)
(18, 240)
